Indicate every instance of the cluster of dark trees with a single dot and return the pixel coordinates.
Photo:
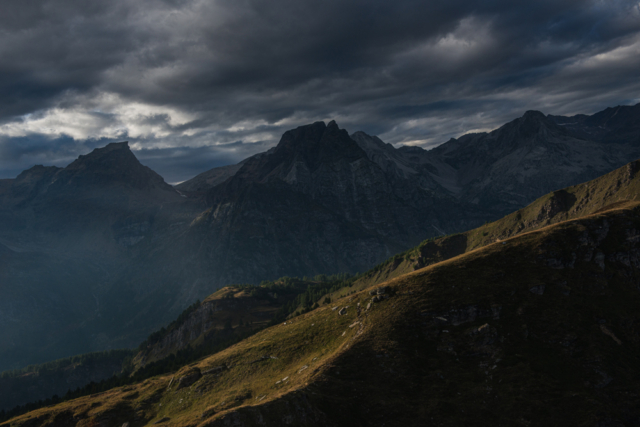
(159, 334)
(313, 294)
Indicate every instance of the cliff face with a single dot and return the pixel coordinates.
(228, 313)
(318, 203)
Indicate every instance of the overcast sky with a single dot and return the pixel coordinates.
(198, 84)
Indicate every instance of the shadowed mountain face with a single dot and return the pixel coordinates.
(106, 195)
(316, 198)
(501, 171)
(504, 170)
(100, 253)
(67, 235)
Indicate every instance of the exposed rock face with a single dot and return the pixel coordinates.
(225, 314)
(510, 167)
(316, 198)
(189, 377)
(196, 324)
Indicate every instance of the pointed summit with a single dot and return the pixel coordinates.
(304, 148)
(114, 164)
(533, 115)
(532, 127)
(115, 154)
(317, 144)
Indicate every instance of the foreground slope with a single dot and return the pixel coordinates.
(618, 188)
(539, 329)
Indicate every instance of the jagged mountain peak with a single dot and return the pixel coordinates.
(312, 145)
(532, 123)
(388, 158)
(113, 164)
(312, 135)
(363, 139)
(109, 155)
(533, 115)
(533, 128)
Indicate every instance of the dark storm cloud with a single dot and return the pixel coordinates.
(187, 77)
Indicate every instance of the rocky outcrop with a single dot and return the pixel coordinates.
(188, 377)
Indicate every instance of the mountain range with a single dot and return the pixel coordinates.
(100, 253)
(528, 320)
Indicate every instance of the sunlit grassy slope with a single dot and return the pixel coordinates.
(538, 329)
(233, 312)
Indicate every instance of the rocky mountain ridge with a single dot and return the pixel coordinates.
(319, 189)
(322, 201)
(507, 168)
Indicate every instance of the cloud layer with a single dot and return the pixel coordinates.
(194, 84)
